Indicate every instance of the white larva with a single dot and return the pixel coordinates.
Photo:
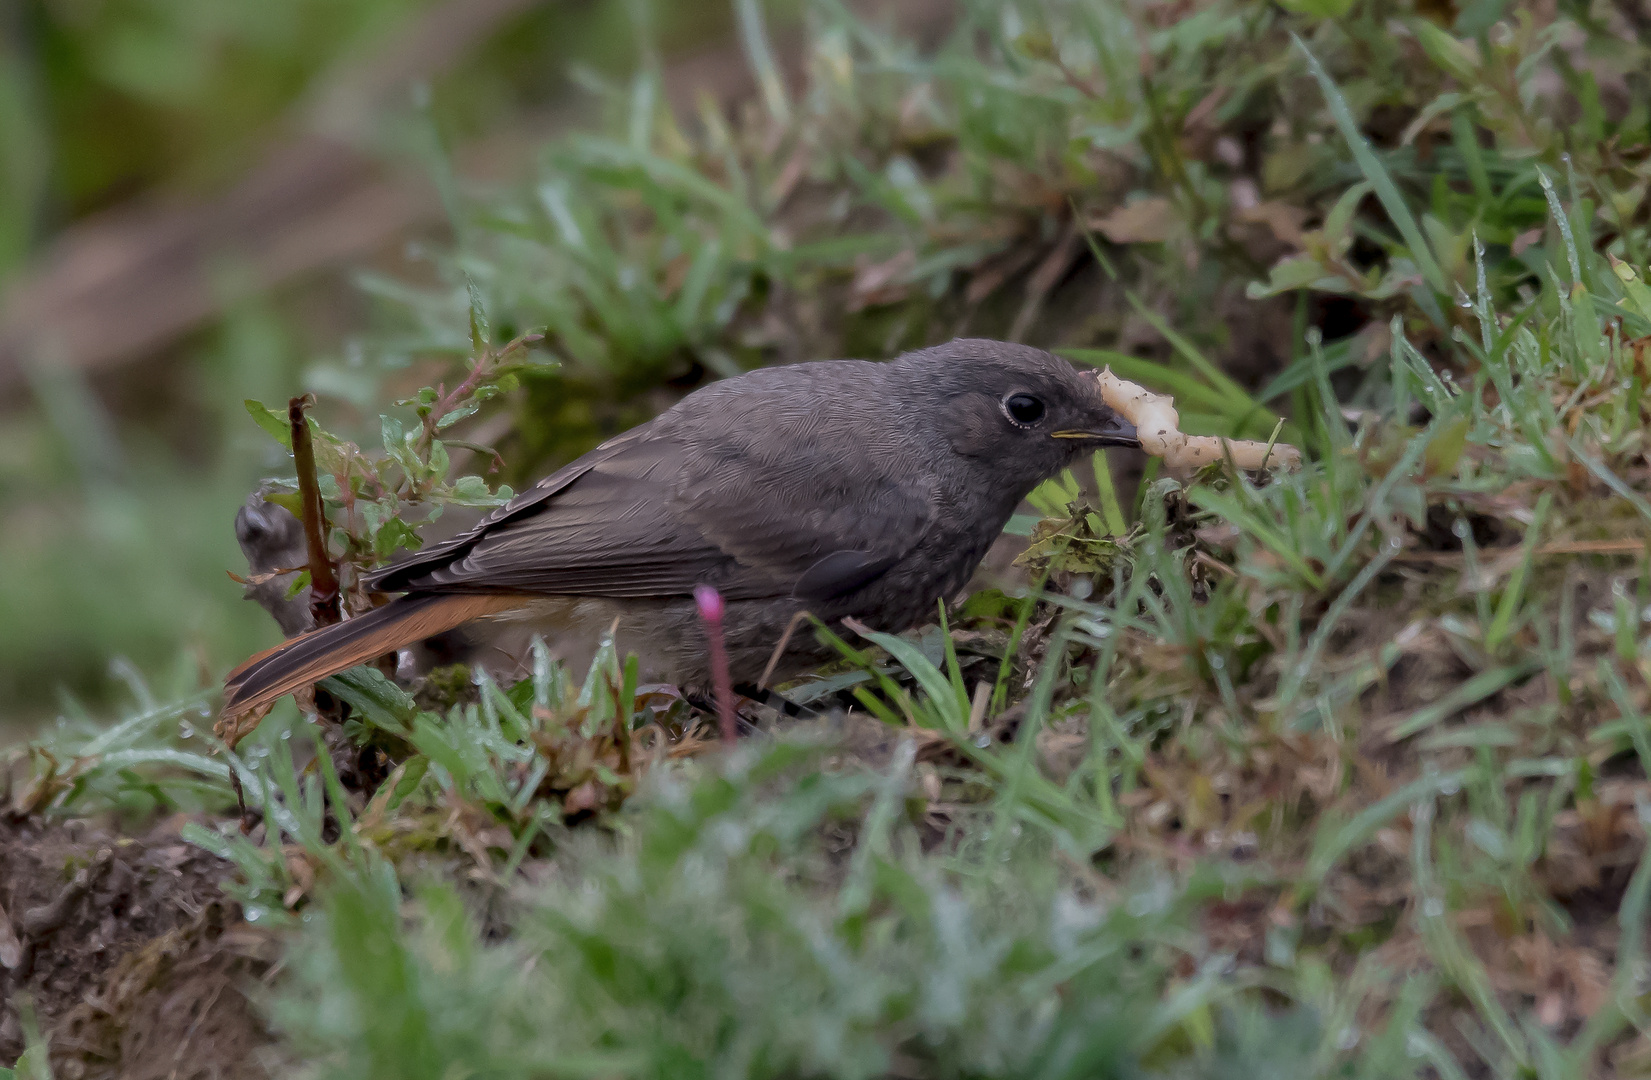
(1159, 428)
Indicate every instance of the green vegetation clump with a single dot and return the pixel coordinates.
(1337, 772)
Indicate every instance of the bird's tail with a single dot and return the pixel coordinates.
(311, 657)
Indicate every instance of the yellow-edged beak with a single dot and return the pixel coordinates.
(1114, 432)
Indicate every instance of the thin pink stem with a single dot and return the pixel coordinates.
(711, 610)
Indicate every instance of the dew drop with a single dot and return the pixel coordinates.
(1433, 907)
(1459, 528)
(983, 741)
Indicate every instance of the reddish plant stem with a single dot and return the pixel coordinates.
(711, 611)
(324, 593)
(447, 402)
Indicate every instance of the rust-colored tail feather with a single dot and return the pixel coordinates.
(311, 657)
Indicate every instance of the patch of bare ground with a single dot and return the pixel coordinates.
(135, 963)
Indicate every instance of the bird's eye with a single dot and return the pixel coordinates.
(1023, 409)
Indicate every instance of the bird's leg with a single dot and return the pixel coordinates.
(704, 700)
(776, 701)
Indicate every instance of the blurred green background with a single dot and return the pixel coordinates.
(188, 191)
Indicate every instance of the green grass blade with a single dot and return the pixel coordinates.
(1514, 594)
(1475, 690)
(1380, 179)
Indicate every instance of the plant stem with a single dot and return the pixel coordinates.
(324, 594)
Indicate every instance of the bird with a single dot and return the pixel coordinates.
(847, 489)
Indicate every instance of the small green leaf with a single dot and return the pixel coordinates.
(299, 584)
(1338, 223)
(1445, 450)
(480, 333)
(397, 446)
(1455, 57)
(393, 535)
(1638, 294)
(467, 409)
(272, 422)
(1296, 272)
(473, 491)
(290, 501)
(412, 772)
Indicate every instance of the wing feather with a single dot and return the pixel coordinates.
(755, 496)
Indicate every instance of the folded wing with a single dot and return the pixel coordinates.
(670, 506)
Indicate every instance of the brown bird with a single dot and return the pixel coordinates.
(842, 487)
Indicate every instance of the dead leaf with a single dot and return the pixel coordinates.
(1141, 221)
(1054, 265)
(878, 283)
(1286, 222)
(302, 872)
(587, 796)
(1526, 239)
(790, 176)
(232, 729)
(990, 276)
(259, 579)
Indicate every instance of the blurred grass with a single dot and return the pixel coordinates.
(119, 535)
(120, 493)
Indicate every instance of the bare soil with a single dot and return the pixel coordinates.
(135, 963)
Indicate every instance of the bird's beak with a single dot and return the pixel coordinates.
(1114, 431)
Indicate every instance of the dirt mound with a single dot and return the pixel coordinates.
(136, 963)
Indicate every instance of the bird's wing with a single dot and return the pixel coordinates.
(657, 512)
(398, 575)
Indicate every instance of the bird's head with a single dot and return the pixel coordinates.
(1020, 414)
